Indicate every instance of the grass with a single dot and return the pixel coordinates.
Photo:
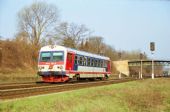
(137, 96)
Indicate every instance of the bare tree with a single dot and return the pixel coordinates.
(98, 42)
(70, 35)
(21, 36)
(38, 21)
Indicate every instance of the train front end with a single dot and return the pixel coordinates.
(51, 64)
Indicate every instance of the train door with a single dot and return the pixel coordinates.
(76, 62)
(108, 66)
(70, 61)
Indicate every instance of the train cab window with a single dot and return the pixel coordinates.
(45, 56)
(88, 62)
(76, 60)
(58, 56)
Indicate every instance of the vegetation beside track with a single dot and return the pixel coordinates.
(19, 77)
(137, 96)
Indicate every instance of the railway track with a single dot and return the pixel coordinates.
(29, 90)
(21, 85)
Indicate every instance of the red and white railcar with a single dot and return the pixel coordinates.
(61, 64)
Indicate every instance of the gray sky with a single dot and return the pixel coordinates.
(124, 24)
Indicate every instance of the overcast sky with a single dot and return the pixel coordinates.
(124, 24)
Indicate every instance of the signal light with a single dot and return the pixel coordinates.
(152, 46)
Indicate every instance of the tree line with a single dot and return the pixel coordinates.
(38, 25)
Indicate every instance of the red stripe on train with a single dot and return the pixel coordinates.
(51, 63)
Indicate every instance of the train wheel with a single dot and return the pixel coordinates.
(92, 79)
(78, 77)
(103, 78)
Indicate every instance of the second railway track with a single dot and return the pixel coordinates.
(11, 93)
(21, 85)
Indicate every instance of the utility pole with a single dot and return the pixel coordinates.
(120, 56)
(152, 49)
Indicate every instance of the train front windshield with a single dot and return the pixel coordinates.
(51, 56)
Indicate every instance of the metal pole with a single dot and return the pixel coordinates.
(0, 57)
(152, 49)
(119, 75)
(141, 57)
(141, 70)
(152, 67)
(120, 56)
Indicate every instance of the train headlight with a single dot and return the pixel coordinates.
(60, 67)
(40, 68)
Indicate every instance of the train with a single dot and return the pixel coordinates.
(58, 63)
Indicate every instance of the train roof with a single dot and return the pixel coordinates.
(59, 48)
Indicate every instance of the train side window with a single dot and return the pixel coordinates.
(105, 64)
(98, 63)
(95, 63)
(101, 63)
(92, 62)
(80, 60)
(76, 60)
(88, 63)
(85, 61)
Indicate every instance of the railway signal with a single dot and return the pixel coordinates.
(152, 46)
(152, 49)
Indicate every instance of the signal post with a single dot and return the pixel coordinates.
(152, 49)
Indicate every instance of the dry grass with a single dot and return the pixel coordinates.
(144, 101)
(18, 61)
(17, 55)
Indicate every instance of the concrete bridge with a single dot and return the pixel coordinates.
(124, 65)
